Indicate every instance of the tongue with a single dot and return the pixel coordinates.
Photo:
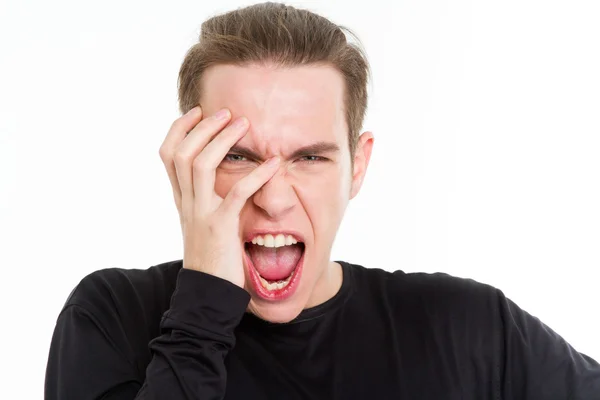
(273, 263)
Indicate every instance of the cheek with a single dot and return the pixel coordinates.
(314, 181)
(224, 181)
(323, 194)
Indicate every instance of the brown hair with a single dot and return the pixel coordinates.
(283, 35)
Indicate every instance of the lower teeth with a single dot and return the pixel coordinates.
(275, 285)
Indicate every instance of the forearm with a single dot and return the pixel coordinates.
(91, 352)
(197, 332)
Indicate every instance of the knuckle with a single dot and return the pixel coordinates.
(211, 222)
(164, 153)
(181, 158)
(237, 192)
(176, 125)
(200, 164)
(214, 223)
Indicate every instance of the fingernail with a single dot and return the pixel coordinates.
(273, 162)
(222, 114)
(240, 122)
(194, 111)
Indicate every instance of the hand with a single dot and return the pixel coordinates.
(209, 223)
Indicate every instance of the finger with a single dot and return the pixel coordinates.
(176, 133)
(189, 149)
(247, 186)
(208, 160)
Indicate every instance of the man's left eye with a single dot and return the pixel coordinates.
(312, 159)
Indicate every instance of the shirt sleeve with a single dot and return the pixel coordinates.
(538, 364)
(89, 358)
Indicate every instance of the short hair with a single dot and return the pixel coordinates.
(279, 34)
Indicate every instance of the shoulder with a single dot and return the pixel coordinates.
(116, 310)
(438, 293)
(111, 288)
(461, 313)
(422, 284)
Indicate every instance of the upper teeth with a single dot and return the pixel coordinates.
(274, 241)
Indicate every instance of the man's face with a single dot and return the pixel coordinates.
(289, 109)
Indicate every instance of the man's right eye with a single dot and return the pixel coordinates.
(234, 158)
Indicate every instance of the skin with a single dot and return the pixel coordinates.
(284, 109)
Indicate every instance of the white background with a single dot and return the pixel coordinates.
(486, 162)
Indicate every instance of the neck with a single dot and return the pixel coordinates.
(327, 286)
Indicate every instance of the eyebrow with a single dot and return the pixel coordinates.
(310, 150)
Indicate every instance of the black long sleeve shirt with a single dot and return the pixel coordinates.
(173, 333)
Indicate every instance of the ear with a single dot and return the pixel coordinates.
(361, 161)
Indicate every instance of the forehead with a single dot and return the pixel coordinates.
(285, 106)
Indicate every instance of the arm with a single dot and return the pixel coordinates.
(197, 332)
(538, 364)
(84, 363)
(209, 301)
(89, 352)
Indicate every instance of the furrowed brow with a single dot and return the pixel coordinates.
(310, 150)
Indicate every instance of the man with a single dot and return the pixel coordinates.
(263, 164)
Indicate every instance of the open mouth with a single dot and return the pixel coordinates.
(275, 263)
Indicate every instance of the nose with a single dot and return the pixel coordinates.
(276, 198)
